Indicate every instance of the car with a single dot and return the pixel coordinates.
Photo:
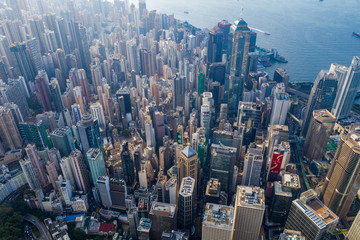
(33, 220)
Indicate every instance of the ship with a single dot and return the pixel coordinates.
(277, 57)
(267, 33)
(186, 12)
(356, 34)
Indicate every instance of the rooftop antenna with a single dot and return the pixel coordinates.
(242, 12)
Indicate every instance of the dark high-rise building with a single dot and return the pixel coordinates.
(222, 165)
(163, 217)
(118, 193)
(127, 100)
(179, 90)
(9, 132)
(214, 46)
(63, 140)
(217, 72)
(225, 28)
(281, 76)
(56, 95)
(147, 62)
(80, 42)
(23, 60)
(239, 58)
(33, 131)
(51, 23)
(89, 133)
(142, 7)
(34, 50)
(320, 128)
(201, 83)
(128, 165)
(322, 96)
(42, 86)
(341, 183)
(252, 43)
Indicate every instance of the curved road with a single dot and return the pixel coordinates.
(45, 235)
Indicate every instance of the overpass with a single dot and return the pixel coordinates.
(45, 235)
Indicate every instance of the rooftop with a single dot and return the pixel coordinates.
(315, 210)
(93, 153)
(213, 187)
(188, 152)
(144, 225)
(60, 131)
(323, 115)
(171, 182)
(250, 197)
(187, 186)
(291, 180)
(163, 209)
(220, 216)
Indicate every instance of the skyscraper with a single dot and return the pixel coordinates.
(42, 86)
(252, 167)
(340, 187)
(218, 222)
(186, 203)
(128, 165)
(118, 193)
(103, 184)
(188, 165)
(63, 140)
(89, 133)
(310, 216)
(320, 128)
(205, 118)
(222, 165)
(239, 58)
(80, 172)
(23, 61)
(53, 174)
(30, 174)
(163, 217)
(322, 96)
(354, 231)
(56, 95)
(9, 132)
(249, 212)
(96, 163)
(33, 156)
(33, 131)
(97, 112)
(348, 84)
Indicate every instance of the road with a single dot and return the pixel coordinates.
(298, 93)
(45, 235)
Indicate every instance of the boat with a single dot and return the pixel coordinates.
(356, 34)
(267, 33)
(186, 12)
(277, 57)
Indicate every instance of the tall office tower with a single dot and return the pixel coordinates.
(147, 62)
(249, 113)
(160, 187)
(201, 83)
(97, 112)
(205, 118)
(79, 98)
(67, 171)
(37, 28)
(81, 75)
(340, 188)
(34, 50)
(249, 212)
(348, 82)
(159, 126)
(103, 184)
(30, 174)
(171, 188)
(320, 128)
(96, 163)
(281, 76)
(80, 172)
(33, 156)
(280, 106)
(322, 96)
(63, 140)
(279, 159)
(163, 217)
(252, 167)
(188, 164)
(142, 7)
(23, 61)
(276, 135)
(42, 86)
(118, 193)
(216, 72)
(64, 33)
(65, 188)
(214, 45)
(9, 132)
(239, 58)
(131, 49)
(56, 95)
(51, 23)
(76, 112)
(354, 231)
(222, 165)
(218, 222)
(310, 216)
(128, 165)
(80, 42)
(178, 91)
(89, 133)
(53, 174)
(186, 206)
(291, 234)
(143, 230)
(127, 99)
(14, 92)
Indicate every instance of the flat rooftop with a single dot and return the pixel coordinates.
(144, 225)
(213, 187)
(172, 182)
(219, 216)
(291, 180)
(163, 209)
(252, 197)
(323, 115)
(187, 186)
